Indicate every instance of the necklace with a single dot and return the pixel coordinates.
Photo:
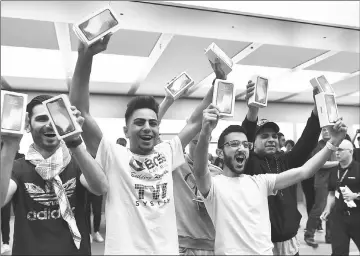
(277, 170)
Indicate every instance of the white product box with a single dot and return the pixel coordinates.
(260, 96)
(322, 85)
(327, 108)
(176, 87)
(224, 97)
(213, 52)
(96, 25)
(13, 112)
(61, 117)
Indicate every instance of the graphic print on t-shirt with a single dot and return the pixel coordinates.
(48, 198)
(148, 172)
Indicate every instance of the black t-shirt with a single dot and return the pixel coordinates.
(39, 227)
(351, 179)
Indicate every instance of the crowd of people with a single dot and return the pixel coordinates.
(160, 200)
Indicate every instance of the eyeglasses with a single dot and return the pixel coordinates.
(237, 143)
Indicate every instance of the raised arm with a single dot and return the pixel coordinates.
(295, 175)
(250, 121)
(307, 142)
(80, 93)
(193, 125)
(9, 147)
(164, 106)
(201, 170)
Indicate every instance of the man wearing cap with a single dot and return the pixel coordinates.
(284, 215)
(344, 200)
(48, 187)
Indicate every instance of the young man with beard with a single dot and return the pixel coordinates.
(345, 218)
(48, 188)
(140, 211)
(284, 215)
(238, 203)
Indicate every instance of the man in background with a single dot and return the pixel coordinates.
(282, 141)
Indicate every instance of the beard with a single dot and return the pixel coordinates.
(232, 164)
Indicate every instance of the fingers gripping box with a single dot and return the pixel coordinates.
(213, 52)
(13, 112)
(61, 117)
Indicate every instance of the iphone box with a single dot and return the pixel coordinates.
(322, 85)
(96, 25)
(327, 108)
(61, 117)
(260, 97)
(176, 87)
(224, 97)
(213, 52)
(13, 112)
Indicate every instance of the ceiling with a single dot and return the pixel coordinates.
(158, 42)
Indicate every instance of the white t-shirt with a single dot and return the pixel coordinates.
(238, 208)
(140, 211)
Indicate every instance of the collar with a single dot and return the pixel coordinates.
(349, 166)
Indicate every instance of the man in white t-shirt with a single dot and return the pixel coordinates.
(140, 212)
(237, 203)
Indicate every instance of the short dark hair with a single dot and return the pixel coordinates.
(36, 101)
(291, 142)
(121, 141)
(140, 102)
(280, 134)
(228, 130)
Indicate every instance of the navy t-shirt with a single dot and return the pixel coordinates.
(39, 227)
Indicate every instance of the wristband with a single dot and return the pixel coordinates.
(331, 146)
(74, 143)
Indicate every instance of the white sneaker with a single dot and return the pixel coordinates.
(98, 238)
(5, 248)
(91, 239)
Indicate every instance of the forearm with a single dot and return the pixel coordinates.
(250, 128)
(330, 202)
(8, 153)
(92, 171)
(201, 154)
(164, 106)
(330, 164)
(196, 116)
(252, 114)
(79, 90)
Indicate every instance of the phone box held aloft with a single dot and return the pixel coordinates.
(176, 87)
(327, 108)
(61, 117)
(260, 97)
(213, 52)
(224, 97)
(96, 25)
(13, 112)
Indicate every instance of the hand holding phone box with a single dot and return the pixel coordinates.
(61, 117)
(327, 108)
(97, 25)
(322, 85)
(13, 112)
(224, 97)
(213, 52)
(260, 97)
(176, 87)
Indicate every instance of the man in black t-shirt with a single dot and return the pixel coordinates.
(344, 201)
(48, 188)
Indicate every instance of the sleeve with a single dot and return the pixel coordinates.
(211, 195)
(177, 152)
(16, 172)
(106, 153)
(250, 128)
(269, 181)
(332, 180)
(306, 144)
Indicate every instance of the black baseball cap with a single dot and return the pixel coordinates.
(264, 123)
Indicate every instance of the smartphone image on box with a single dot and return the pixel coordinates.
(61, 117)
(331, 108)
(224, 97)
(178, 85)
(260, 96)
(96, 25)
(13, 112)
(324, 84)
(327, 108)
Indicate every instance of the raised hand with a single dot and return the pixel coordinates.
(315, 91)
(210, 118)
(79, 119)
(216, 66)
(95, 48)
(337, 132)
(250, 90)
